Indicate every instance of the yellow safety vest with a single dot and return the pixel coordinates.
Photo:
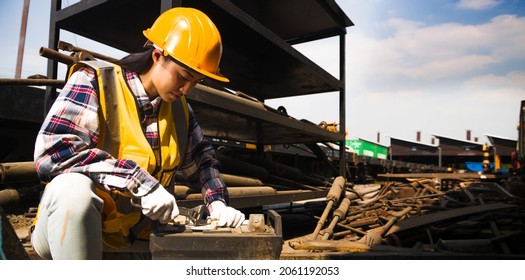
(120, 132)
(122, 136)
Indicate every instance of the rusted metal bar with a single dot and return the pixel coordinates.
(9, 197)
(234, 181)
(332, 198)
(12, 197)
(356, 230)
(339, 214)
(375, 199)
(241, 191)
(364, 222)
(342, 246)
(15, 172)
(32, 82)
(375, 236)
(57, 56)
(424, 182)
(71, 48)
(22, 40)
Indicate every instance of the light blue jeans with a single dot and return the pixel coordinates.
(69, 225)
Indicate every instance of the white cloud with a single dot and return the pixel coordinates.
(478, 4)
(514, 79)
(432, 53)
(504, 34)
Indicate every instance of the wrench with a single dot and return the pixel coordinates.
(194, 214)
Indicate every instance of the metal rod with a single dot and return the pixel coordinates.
(71, 48)
(339, 213)
(32, 82)
(13, 172)
(342, 104)
(340, 246)
(332, 197)
(21, 42)
(56, 56)
(356, 230)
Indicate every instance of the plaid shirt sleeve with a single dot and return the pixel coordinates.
(200, 165)
(68, 137)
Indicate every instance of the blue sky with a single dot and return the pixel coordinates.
(439, 67)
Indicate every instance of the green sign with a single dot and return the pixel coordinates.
(366, 148)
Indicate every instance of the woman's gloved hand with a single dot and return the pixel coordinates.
(160, 205)
(226, 215)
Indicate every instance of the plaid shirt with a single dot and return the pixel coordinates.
(68, 137)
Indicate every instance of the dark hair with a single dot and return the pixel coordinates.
(138, 62)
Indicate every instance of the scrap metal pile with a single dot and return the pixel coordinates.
(424, 218)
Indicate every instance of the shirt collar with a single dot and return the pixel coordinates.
(144, 103)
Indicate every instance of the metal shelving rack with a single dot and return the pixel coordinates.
(258, 57)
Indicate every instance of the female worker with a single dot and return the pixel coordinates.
(120, 132)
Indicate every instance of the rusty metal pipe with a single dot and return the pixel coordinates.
(340, 246)
(337, 189)
(55, 55)
(356, 230)
(340, 234)
(364, 222)
(339, 213)
(15, 172)
(365, 203)
(9, 197)
(359, 194)
(71, 48)
(332, 197)
(21, 42)
(235, 181)
(241, 192)
(32, 82)
(12, 197)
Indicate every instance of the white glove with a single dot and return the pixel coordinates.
(160, 205)
(227, 216)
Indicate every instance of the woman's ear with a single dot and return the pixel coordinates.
(156, 55)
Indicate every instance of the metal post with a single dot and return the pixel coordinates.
(52, 65)
(439, 156)
(22, 40)
(342, 105)
(168, 4)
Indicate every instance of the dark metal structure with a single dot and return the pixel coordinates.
(502, 147)
(410, 151)
(258, 58)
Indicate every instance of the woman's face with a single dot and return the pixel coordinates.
(170, 79)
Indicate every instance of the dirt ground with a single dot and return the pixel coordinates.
(22, 226)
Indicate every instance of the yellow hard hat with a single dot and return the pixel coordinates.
(189, 36)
